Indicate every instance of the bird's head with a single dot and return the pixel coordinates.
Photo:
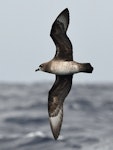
(41, 67)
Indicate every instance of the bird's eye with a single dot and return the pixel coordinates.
(40, 66)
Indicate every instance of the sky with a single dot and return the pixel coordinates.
(25, 40)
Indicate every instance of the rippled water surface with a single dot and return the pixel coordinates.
(87, 124)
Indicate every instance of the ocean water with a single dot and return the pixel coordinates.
(87, 123)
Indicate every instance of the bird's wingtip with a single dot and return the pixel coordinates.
(55, 123)
(66, 9)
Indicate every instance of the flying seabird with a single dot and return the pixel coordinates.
(63, 66)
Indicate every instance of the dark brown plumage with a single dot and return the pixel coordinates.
(61, 40)
(63, 83)
(56, 97)
(64, 67)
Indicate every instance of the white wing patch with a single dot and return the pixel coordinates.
(56, 123)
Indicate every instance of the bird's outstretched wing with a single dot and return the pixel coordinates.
(60, 38)
(56, 97)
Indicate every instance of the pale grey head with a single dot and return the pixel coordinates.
(45, 67)
(41, 67)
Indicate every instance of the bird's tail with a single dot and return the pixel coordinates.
(86, 67)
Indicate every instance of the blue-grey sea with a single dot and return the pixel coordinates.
(87, 123)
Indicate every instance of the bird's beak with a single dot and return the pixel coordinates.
(37, 69)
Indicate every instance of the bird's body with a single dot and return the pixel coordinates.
(63, 66)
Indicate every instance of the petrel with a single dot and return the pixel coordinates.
(63, 66)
